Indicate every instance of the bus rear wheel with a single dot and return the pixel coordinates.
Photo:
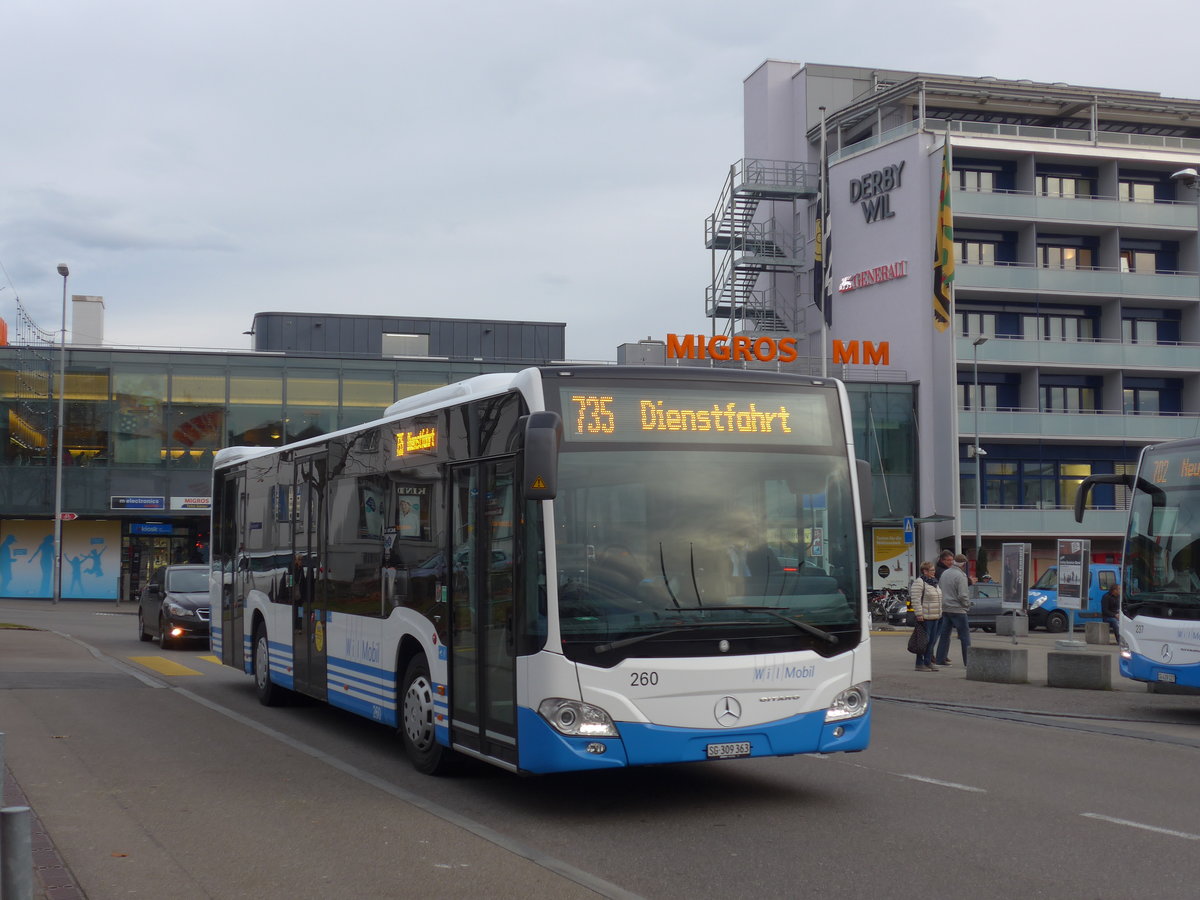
(417, 721)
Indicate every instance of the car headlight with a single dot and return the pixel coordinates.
(181, 612)
(850, 703)
(576, 718)
(1036, 600)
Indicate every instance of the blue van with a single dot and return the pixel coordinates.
(1043, 598)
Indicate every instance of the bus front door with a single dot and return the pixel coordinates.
(309, 571)
(480, 573)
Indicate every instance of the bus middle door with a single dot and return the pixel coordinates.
(309, 571)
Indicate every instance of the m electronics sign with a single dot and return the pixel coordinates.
(137, 503)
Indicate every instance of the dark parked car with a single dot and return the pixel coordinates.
(985, 606)
(174, 605)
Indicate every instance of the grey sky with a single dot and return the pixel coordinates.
(195, 163)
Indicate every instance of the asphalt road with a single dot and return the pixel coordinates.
(176, 785)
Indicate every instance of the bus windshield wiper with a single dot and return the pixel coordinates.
(637, 639)
(662, 564)
(774, 611)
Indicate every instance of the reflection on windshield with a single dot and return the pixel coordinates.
(1163, 555)
(653, 542)
(188, 581)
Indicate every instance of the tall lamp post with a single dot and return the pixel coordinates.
(58, 444)
(1190, 178)
(979, 453)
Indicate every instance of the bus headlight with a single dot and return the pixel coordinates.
(576, 718)
(850, 703)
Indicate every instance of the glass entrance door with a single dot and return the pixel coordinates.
(483, 673)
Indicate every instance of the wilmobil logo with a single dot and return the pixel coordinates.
(739, 348)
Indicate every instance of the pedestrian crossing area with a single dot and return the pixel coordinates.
(164, 666)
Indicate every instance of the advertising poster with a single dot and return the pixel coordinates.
(1014, 582)
(91, 565)
(1073, 558)
(892, 563)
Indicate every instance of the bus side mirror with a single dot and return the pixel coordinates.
(1085, 488)
(543, 434)
(866, 494)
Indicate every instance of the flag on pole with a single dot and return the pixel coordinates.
(943, 251)
(822, 296)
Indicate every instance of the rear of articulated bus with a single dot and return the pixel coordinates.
(1160, 598)
(704, 571)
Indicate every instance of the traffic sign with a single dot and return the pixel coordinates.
(68, 517)
(910, 530)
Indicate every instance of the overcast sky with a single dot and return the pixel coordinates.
(543, 160)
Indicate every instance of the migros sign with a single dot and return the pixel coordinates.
(768, 349)
(740, 347)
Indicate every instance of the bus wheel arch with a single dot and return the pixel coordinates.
(416, 719)
(269, 693)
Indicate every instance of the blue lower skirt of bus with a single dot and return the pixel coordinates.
(542, 749)
(1141, 668)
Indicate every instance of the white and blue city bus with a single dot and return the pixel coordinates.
(1160, 567)
(562, 569)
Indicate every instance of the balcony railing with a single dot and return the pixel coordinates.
(1108, 426)
(1021, 277)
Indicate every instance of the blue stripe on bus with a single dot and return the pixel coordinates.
(1142, 668)
(542, 749)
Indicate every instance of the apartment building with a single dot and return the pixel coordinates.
(1075, 334)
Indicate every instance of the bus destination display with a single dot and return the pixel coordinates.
(653, 414)
(1173, 469)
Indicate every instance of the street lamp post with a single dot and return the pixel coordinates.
(58, 444)
(975, 345)
(1190, 178)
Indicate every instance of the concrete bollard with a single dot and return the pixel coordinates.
(1016, 626)
(16, 853)
(1006, 665)
(1095, 633)
(1084, 671)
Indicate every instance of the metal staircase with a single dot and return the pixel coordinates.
(745, 244)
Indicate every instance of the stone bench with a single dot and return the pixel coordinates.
(1080, 670)
(1016, 626)
(1006, 665)
(1095, 632)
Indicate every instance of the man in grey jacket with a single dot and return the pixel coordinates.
(956, 601)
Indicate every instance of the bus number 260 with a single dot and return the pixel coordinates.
(642, 679)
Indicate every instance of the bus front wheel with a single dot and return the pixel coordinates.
(269, 693)
(417, 721)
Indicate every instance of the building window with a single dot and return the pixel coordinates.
(1065, 186)
(1141, 401)
(1136, 191)
(1150, 331)
(1067, 399)
(1053, 256)
(976, 253)
(1057, 328)
(976, 181)
(406, 345)
(988, 397)
(973, 324)
(1140, 262)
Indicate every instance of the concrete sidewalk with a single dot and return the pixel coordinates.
(104, 758)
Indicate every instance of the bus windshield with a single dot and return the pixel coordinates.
(670, 554)
(1162, 561)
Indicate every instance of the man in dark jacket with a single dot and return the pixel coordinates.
(1110, 610)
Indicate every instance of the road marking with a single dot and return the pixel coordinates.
(949, 784)
(163, 666)
(211, 659)
(1168, 831)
